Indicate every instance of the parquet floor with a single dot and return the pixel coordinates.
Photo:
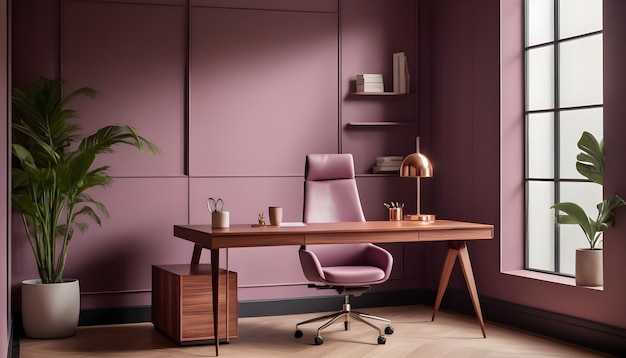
(450, 335)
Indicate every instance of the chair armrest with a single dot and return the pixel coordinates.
(381, 258)
(311, 266)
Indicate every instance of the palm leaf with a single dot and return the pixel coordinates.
(49, 178)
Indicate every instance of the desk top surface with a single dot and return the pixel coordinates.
(246, 235)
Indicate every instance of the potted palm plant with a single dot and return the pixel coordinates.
(51, 176)
(590, 163)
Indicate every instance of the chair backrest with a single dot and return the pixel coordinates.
(330, 190)
(331, 195)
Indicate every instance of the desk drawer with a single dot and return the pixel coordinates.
(182, 303)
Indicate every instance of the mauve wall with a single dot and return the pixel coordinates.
(235, 107)
(5, 318)
(468, 126)
(477, 140)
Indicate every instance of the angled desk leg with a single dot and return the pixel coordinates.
(195, 257)
(459, 249)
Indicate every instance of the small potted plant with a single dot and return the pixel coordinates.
(590, 164)
(51, 176)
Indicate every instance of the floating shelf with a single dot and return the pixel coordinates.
(379, 94)
(379, 124)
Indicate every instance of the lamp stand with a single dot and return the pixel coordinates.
(418, 216)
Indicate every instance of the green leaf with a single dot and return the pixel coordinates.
(590, 161)
(575, 215)
(52, 168)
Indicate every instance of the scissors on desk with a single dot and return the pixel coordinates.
(215, 205)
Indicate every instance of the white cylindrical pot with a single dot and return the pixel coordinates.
(50, 310)
(589, 267)
(220, 219)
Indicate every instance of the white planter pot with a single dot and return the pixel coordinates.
(589, 267)
(50, 310)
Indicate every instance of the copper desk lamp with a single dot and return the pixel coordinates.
(417, 165)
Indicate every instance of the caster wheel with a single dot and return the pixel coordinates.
(318, 341)
(346, 326)
(382, 340)
(298, 334)
(388, 330)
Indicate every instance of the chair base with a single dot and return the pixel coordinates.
(345, 314)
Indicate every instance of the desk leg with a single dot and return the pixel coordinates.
(195, 257)
(459, 249)
(215, 279)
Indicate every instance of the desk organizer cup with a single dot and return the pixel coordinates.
(220, 219)
(395, 210)
(395, 214)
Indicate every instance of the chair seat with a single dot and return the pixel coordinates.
(351, 275)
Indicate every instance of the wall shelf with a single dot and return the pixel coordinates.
(379, 124)
(379, 94)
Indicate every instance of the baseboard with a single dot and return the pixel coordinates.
(575, 330)
(332, 303)
(585, 333)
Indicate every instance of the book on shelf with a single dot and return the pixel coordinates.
(370, 87)
(387, 164)
(370, 77)
(389, 158)
(400, 73)
(391, 164)
(370, 82)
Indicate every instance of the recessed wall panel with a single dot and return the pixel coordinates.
(126, 52)
(263, 90)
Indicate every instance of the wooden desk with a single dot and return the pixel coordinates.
(455, 233)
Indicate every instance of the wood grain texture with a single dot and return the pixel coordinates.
(322, 233)
(181, 302)
(450, 336)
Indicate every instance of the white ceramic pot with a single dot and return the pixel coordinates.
(50, 310)
(589, 267)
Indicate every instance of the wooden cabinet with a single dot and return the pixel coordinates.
(182, 305)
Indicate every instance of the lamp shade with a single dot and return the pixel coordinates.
(416, 165)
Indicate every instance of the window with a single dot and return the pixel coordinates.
(563, 98)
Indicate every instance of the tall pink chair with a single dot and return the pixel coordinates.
(331, 195)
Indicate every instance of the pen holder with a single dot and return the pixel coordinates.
(395, 214)
(220, 219)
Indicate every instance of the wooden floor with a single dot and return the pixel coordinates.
(450, 335)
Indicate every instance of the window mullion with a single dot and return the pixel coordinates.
(557, 136)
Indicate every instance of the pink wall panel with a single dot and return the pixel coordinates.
(116, 259)
(137, 64)
(37, 52)
(269, 80)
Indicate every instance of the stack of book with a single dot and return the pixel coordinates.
(400, 73)
(370, 82)
(388, 164)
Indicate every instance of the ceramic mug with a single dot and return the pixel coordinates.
(276, 215)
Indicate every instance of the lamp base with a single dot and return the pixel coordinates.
(419, 217)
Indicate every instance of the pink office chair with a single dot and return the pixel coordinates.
(331, 195)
